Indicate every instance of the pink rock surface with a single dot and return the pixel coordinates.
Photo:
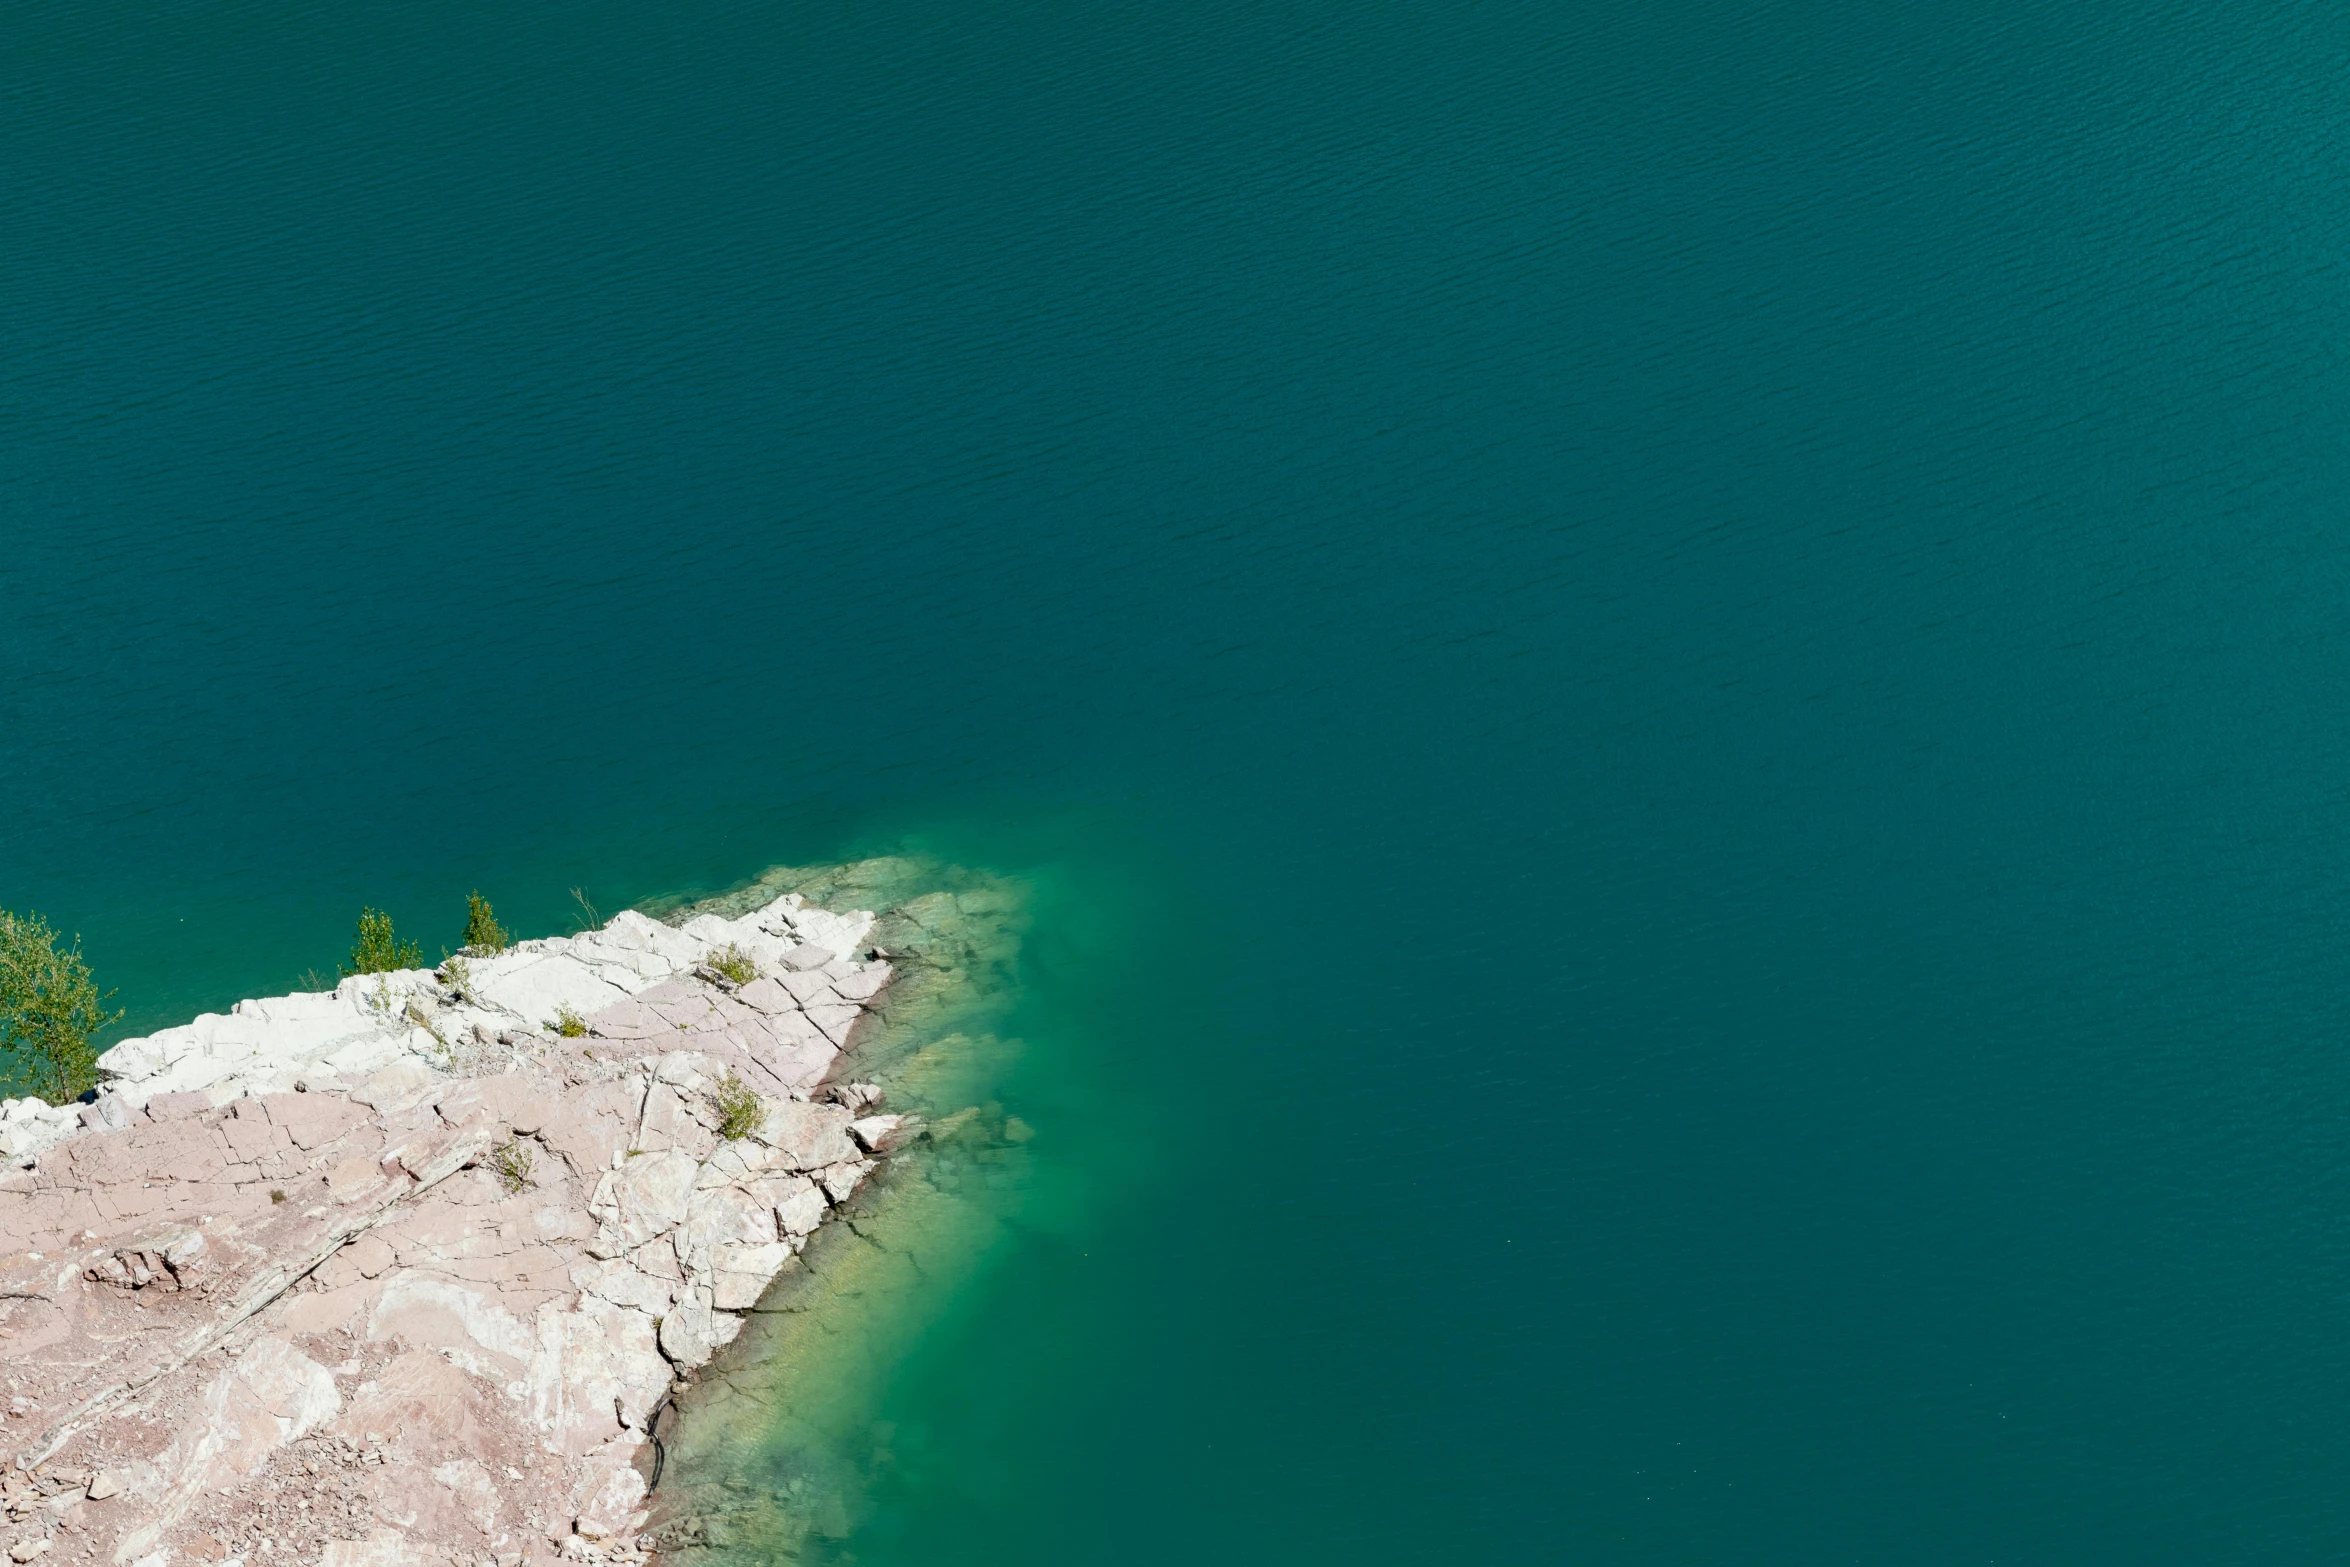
(427, 1318)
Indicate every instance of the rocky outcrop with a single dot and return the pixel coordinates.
(404, 1272)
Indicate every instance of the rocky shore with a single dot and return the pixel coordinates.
(405, 1272)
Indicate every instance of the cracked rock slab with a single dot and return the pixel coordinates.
(393, 1275)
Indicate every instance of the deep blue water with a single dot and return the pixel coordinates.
(1681, 670)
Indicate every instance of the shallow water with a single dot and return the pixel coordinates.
(1669, 676)
(778, 1447)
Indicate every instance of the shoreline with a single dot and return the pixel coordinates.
(781, 1449)
(404, 1273)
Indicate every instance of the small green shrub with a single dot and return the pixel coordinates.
(50, 1008)
(734, 963)
(569, 1023)
(457, 974)
(740, 1111)
(377, 950)
(483, 933)
(511, 1161)
(276, 1194)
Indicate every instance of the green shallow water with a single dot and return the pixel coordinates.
(836, 1412)
(777, 1449)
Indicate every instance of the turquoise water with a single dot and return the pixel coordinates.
(1674, 675)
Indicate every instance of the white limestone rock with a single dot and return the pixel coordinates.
(799, 1205)
(807, 1135)
(840, 1181)
(595, 1369)
(688, 1071)
(109, 1112)
(537, 988)
(721, 1216)
(861, 985)
(271, 1394)
(616, 1502)
(744, 935)
(635, 953)
(837, 933)
(402, 1085)
(466, 1326)
(741, 1273)
(835, 1019)
(806, 987)
(647, 1196)
(881, 1133)
(668, 1122)
(689, 1332)
(624, 1285)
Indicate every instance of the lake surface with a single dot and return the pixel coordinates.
(1674, 680)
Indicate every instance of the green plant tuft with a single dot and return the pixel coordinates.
(483, 933)
(569, 1023)
(377, 950)
(276, 1194)
(442, 1053)
(50, 1008)
(511, 1161)
(740, 1111)
(734, 963)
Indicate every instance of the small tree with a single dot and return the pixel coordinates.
(483, 933)
(378, 951)
(50, 1008)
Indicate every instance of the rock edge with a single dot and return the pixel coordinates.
(404, 1272)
